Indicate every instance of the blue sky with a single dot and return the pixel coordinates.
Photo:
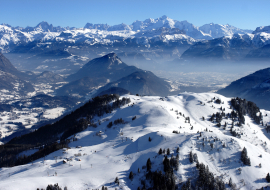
(245, 14)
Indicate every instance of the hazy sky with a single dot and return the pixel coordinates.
(245, 14)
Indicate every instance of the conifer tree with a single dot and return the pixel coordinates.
(191, 157)
(244, 157)
(116, 180)
(160, 151)
(168, 151)
(230, 182)
(131, 175)
(149, 164)
(268, 178)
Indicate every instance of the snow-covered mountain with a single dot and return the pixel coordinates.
(235, 47)
(218, 30)
(179, 125)
(265, 29)
(46, 33)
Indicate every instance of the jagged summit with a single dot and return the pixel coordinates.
(108, 61)
(112, 56)
(164, 17)
(45, 26)
(97, 26)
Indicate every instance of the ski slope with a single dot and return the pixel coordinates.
(101, 154)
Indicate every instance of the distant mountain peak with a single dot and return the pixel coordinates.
(110, 55)
(164, 17)
(113, 59)
(260, 29)
(45, 26)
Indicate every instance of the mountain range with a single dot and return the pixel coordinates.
(236, 47)
(104, 34)
(65, 50)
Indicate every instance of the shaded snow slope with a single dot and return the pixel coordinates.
(107, 153)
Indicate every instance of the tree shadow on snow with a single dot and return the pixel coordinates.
(261, 180)
(59, 163)
(143, 143)
(232, 162)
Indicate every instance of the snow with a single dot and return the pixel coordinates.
(109, 34)
(109, 153)
(219, 30)
(262, 29)
(53, 113)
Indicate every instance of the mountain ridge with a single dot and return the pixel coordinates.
(10, 36)
(254, 87)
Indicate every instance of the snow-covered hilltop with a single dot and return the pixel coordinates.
(143, 31)
(115, 148)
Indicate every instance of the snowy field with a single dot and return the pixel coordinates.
(101, 154)
(27, 117)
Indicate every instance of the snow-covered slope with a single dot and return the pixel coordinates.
(219, 30)
(102, 153)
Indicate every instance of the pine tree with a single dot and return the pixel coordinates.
(53, 187)
(268, 178)
(116, 180)
(230, 182)
(149, 164)
(177, 162)
(131, 175)
(178, 150)
(168, 151)
(149, 139)
(160, 151)
(166, 164)
(191, 159)
(244, 157)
